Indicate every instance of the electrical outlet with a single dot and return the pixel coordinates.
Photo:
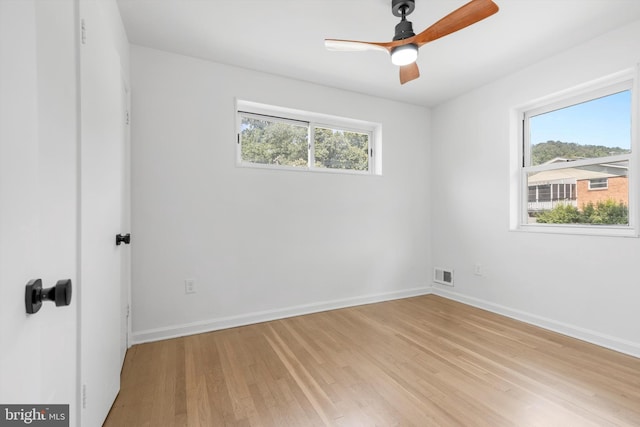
(189, 286)
(478, 270)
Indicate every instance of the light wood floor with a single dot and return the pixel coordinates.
(421, 361)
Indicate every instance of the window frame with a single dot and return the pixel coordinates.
(312, 120)
(521, 151)
(604, 181)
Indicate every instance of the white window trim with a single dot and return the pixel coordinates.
(621, 81)
(313, 120)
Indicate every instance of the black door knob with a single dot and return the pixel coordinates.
(126, 239)
(34, 294)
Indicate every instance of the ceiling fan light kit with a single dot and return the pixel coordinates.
(404, 47)
(404, 55)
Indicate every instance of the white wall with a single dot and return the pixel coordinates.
(583, 286)
(118, 36)
(261, 243)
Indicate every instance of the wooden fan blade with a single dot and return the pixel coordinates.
(470, 13)
(354, 46)
(409, 72)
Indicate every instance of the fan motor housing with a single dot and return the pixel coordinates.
(404, 30)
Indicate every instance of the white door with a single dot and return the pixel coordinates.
(101, 215)
(38, 200)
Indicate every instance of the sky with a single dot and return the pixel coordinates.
(603, 121)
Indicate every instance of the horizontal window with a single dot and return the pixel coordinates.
(292, 139)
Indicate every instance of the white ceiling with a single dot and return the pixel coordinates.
(286, 37)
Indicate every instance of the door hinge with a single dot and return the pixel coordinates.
(128, 310)
(370, 152)
(84, 396)
(127, 118)
(83, 32)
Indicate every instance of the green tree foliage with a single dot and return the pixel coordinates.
(560, 214)
(607, 212)
(545, 151)
(341, 150)
(280, 143)
(274, 143)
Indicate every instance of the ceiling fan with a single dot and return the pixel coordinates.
(405, 44)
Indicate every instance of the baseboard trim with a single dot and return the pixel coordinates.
(210, 325)
(593, 337)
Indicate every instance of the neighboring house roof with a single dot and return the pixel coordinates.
(558, 160)
(570, 175)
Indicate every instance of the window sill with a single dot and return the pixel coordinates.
(249, 165)
(567, 229)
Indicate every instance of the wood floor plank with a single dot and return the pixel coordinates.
(413, 362)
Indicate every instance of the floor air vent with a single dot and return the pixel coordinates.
(442, 276)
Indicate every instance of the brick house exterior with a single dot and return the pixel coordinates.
(617, 189)
(578, 186)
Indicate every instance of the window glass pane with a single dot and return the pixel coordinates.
(273, 142)
(597, 128)
(598, 183)
(339, 149)
(566, 196)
